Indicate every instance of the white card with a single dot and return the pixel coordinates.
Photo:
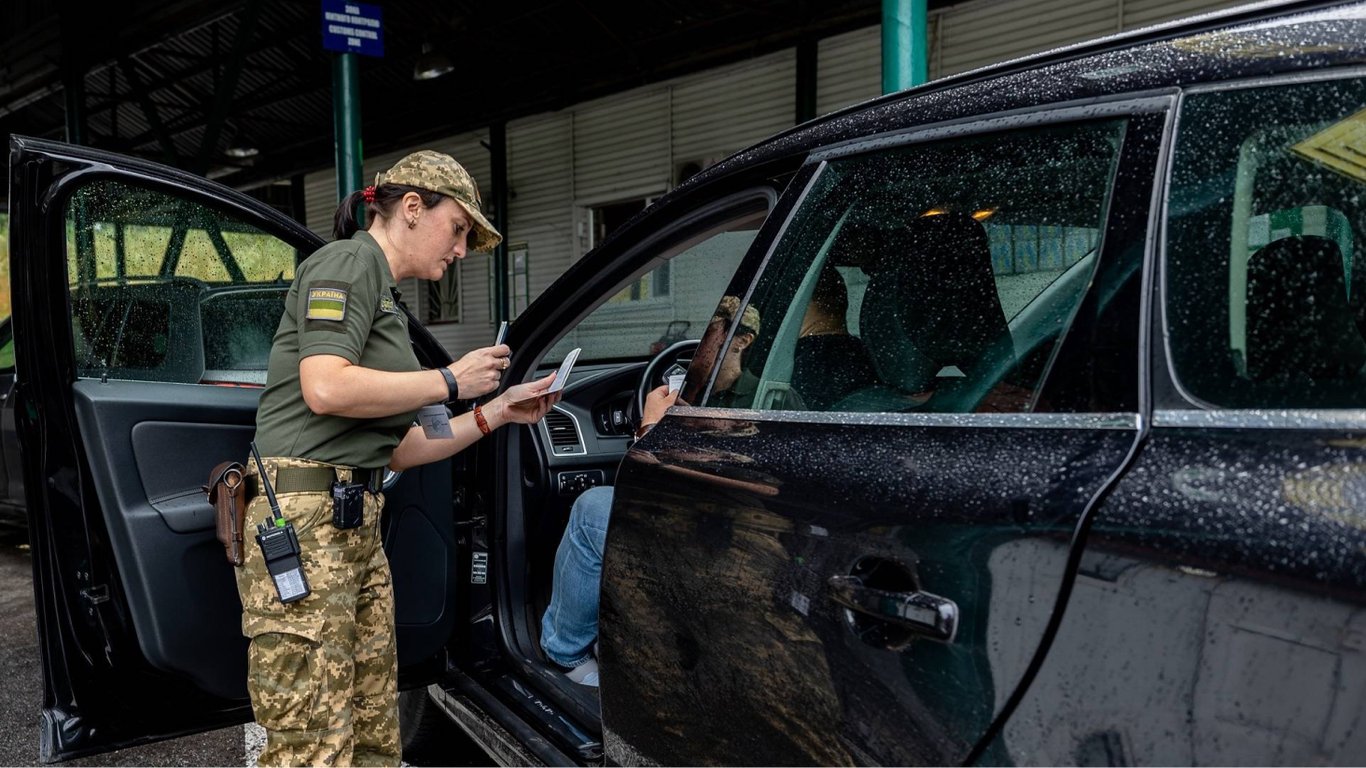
(502, 333)
(435, 421)
(562, 375)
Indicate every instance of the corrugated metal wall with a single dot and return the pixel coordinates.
(621, 147)
(848, 69)
(629, 145)
(720, 112)
(541, 191)
(981, 32)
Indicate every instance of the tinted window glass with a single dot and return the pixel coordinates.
(163, 289)
(1264, 285)
(934, 277)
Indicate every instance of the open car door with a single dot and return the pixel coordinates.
(145, 301)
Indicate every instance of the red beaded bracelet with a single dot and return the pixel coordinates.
(479, 419)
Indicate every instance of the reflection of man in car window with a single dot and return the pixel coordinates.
(735, 386)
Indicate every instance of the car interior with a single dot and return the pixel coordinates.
(581, 442)
(962, 276)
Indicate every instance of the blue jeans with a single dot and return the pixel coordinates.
(570, 624)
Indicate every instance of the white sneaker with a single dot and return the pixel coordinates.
(584, 674)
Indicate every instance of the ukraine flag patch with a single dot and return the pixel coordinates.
(326, 303)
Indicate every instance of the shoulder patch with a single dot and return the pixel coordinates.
(327, 302)
(386, 304)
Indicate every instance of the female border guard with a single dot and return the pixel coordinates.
(342, 390)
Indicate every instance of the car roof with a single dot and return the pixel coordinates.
(1251, 41)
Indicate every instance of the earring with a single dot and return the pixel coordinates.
(412, 223)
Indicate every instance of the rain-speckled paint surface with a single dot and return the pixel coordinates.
(1218, 617)
(721, 643)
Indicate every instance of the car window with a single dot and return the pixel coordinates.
(670, 302)
(165, 289)
(935, 277)
(1265, 299)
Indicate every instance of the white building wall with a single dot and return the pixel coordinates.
(621, 147)
(848, 69)
(722, 111)
(541, 188)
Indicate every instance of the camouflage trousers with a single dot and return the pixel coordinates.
(322, 672)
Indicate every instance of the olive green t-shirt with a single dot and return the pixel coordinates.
(343, 302)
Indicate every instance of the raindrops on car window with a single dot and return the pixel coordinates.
(164, 288)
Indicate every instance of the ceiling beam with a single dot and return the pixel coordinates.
(227, 87)
(153, 117)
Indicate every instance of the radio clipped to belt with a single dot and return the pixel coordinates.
(280, 545)
(348, 505)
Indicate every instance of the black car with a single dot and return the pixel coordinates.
(1076, 476)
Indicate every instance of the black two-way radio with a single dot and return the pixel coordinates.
(279, 544)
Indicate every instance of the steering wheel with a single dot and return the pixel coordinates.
(654, 371)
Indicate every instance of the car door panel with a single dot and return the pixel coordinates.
(1218, 610)
(722, 550)
(737, 535)
(175, 602)
(1218, 607)
(134, 593)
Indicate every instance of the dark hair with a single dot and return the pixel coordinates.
(345, 224)
(830, 294)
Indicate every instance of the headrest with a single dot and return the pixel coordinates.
(931, 301)
(1300, 324)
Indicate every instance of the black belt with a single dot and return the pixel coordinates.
(313, 479)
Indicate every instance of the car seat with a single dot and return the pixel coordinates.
(1303, 345)
(932, 319)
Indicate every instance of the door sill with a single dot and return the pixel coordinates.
(510, 721)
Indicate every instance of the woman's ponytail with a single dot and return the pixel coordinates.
(378, 201)
(345, 223)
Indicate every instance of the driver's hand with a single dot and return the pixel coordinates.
(657, 401)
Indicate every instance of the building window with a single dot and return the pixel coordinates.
(443, 297)
(518, 277)
(603, 220)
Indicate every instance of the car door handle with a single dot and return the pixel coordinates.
(922, 613)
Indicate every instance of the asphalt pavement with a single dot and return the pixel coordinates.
(22, 672)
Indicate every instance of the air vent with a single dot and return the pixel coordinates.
(564, 433)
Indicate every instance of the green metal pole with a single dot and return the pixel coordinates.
(346, 124)
(905, 44)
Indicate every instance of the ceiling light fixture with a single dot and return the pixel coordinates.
(240, 146)
(431, 64)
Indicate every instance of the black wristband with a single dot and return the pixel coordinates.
(452, 388)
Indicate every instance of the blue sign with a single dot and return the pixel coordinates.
(352, 28)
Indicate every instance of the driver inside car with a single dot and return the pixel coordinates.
(569, 627)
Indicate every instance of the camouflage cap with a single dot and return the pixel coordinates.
(749, 321)
(437, 172)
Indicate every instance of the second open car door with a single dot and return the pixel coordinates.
(145, 301)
